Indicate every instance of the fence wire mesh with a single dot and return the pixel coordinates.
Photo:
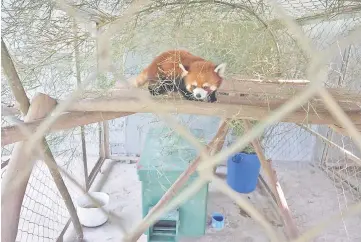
(44, 214)
(256, 41)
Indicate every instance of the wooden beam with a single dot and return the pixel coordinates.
(288, 221)
(12, 134)
(130, 103)
(281, 89)
(260, 97)
(278, 89)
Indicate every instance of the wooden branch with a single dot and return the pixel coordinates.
(128, 102)
(12, 134)
(213, 147)
(289, 223)
(14, 80)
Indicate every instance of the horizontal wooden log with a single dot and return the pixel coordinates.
(238, 98)
(278, 89)
(262, 93)
(14, 133)
(125, 101)
(283, 89)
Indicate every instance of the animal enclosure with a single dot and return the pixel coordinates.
(293, 69)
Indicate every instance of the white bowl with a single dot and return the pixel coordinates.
(89, 214)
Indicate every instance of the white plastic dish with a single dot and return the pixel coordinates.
(89, 214)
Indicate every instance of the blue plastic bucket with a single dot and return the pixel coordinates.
(242, 172)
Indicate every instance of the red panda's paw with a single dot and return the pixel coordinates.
(139, 80)
(134, 82)
(212, 98)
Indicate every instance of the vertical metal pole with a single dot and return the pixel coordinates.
(102, 152)
(82, 128)
(106, 140)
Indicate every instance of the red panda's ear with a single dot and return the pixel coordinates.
(220, 69)
(184, 69)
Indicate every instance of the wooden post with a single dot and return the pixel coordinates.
(213, 147)
(289, 223)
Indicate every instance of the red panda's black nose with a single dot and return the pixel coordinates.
(198, 95)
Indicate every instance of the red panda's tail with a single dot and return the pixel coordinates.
(141, 79)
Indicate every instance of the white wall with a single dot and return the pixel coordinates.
(284, 142)
(127, 134)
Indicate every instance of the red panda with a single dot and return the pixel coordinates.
(179, 70)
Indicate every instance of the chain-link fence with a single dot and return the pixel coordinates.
(257, 40)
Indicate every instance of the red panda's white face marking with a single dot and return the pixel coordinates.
(200, 93)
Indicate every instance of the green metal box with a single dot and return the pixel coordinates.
(165, 156)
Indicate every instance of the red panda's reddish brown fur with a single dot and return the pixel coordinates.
(194, 71)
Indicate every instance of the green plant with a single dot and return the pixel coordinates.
(238, 130)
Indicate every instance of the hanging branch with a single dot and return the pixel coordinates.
(13, 79)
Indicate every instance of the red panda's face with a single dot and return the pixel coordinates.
(198, 88)
(201, 79)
